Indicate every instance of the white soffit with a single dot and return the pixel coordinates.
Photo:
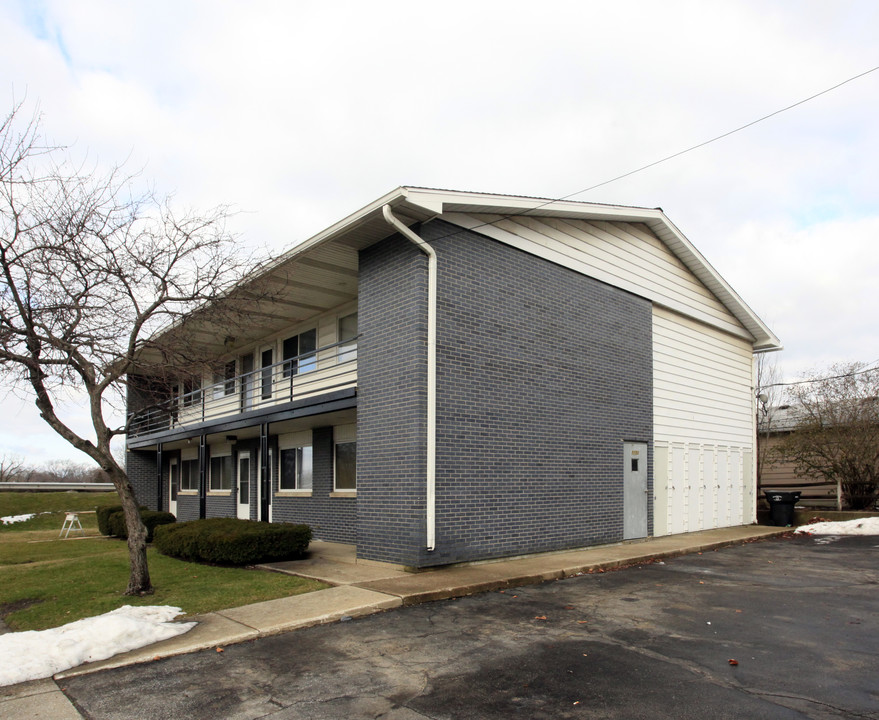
(413, 205)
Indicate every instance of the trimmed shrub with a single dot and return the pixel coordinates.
(229, 541)
(103, 513)
(151, 519)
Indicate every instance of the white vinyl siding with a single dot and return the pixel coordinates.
(703, 426)
(701, 383)
(625, 255)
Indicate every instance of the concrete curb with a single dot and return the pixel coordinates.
(36, 699)
(44, 699)
(235, 625)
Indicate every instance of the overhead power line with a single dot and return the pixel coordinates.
(677, 154)
(720, 137)
(821, 379)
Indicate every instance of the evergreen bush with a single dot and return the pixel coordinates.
(151, 519)
(229, 541)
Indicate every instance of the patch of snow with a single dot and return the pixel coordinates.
(35, 654)
(9, 519)
(860, 526)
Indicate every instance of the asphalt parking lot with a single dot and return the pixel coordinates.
(783, 628)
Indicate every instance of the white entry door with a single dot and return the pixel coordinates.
(244, 485)
(173, 485)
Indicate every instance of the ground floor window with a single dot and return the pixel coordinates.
(221, 473)
(189, 475)
(296, 468)
(345, 457)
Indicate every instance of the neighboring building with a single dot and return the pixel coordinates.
(590, 381)
(778, 473)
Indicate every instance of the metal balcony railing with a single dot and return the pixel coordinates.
(329, 368)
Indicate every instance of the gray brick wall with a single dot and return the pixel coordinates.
(143, 475)
(330, 518)
(391, 401)
(542, 374)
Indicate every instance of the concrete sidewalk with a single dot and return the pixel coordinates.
(362, 589)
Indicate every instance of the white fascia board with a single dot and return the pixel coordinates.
(665, 229)
(654, 218)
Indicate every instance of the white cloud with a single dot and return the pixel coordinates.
(300, 113)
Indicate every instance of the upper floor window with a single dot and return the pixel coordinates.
(299, 353)
(191, 392)
(224, 381)
(266, 380)
(348, 337)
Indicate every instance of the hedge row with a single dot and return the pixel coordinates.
(103, 513)
(229, 541)
(111, 521)
(150, 518)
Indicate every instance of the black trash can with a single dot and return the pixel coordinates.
(781, 506)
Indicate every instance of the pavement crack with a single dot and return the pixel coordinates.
(844, 712)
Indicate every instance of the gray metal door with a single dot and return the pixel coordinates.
(634, 490)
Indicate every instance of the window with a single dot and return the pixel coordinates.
(221, 473)
(299, 353)
(295, 469)
(348, 338)
(189, 475)
(224, 382)
(266, 365)
(191, 392)
(346, 466)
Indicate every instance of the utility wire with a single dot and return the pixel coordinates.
(668, 157)
(821, 379)
(720, 137)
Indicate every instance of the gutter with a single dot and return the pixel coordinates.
(430, 510)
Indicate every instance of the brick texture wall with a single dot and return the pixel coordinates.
(542, 374)
(143, 475)
(391, 401)
(330, 518)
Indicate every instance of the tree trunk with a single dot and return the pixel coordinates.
(139, 578)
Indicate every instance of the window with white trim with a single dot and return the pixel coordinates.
(348, 338)
(295, 468)
(189, 474)
(299, 353)
(345, 458)
(221, 472)
(295, 461)
(224, 381)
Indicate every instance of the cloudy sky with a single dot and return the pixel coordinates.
(299, 113)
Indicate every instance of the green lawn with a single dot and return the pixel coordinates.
(50, 508)
(46, 581)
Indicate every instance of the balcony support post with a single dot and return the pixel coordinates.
(265, 483)
(159, 486)
(202, 477)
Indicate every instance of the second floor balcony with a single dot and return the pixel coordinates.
(323, 371)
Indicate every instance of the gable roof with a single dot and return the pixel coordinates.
(321, 272)
(416, 204)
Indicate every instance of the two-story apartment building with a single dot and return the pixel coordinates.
(445, 376)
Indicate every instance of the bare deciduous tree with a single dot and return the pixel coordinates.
(88, 273)
(768, 395)
(837, 436)
(12, 469)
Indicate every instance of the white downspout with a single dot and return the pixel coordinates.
(431, 369)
